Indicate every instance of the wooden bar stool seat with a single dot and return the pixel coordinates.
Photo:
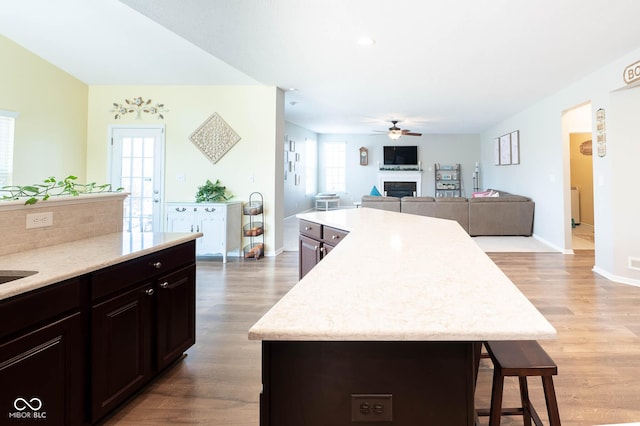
(521, 358)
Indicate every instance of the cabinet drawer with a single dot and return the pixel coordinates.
(210, 211)
(118, 277)
(310, 229)
(333, 235)
(25, 310)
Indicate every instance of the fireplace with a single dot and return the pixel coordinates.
(400, 183)
(400, 189)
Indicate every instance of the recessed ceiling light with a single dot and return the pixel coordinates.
(366, 41)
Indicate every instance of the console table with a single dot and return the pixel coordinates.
(324, 201)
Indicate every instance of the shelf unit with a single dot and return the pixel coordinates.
(448, 180)
(253, 231)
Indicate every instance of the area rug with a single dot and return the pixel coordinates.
(512, 244)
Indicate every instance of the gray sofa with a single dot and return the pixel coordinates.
(453, 208)
(382, 203)
(507, 214)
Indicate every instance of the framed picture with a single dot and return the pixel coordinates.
(505, 149)
(515, 147)
(297, 156)
(496, 151)
(291, 166)
(292, 145)
(297, 179)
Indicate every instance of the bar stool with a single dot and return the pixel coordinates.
(521, 358)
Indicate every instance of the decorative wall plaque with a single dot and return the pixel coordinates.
(214, 138)
(601, 132)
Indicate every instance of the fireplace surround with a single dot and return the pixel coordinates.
(400, 183)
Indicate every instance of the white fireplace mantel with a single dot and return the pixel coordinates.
(400, 176)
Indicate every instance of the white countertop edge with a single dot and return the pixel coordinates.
(396, 337)
(57, 266)
(61, 200)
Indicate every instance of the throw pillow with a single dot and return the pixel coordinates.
(375, 192)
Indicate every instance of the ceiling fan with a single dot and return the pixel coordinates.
(396, 132)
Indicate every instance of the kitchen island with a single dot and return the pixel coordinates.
(386, 328)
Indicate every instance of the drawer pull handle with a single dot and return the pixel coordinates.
(335, 237)
(183, 209)
(210, 210)
(307, 228)
(164, 284)
(157, 265)
(315, 248)
(149, 292)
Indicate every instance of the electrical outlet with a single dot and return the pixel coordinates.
(39, 220)
(371, 407)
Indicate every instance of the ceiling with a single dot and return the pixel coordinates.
(437, 66)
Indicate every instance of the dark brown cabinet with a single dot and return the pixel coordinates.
(121, 347)
(72, 352)
(316, 241)
(139, 328)
(42, 357)
(176, 315)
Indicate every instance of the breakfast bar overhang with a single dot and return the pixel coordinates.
(387, 327)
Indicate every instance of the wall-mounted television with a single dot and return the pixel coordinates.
(400, 156)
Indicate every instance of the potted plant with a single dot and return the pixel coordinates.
(212, 193)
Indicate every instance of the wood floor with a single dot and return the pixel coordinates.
(597, 349)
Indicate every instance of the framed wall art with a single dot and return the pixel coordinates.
(515, 147)
(505, 149)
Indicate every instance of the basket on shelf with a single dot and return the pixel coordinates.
(253, 229)
(255, 250)
(252, 208)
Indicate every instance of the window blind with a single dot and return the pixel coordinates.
(7, 126)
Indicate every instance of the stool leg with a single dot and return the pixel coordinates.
(526, 403)
(552, 402)
(495, 412)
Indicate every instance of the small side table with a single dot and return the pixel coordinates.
(323, 202)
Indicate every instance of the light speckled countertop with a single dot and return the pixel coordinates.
(401, 277)
(62, 261)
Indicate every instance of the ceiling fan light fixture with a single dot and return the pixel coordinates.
(395, 134)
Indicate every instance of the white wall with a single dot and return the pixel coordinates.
(296, 199)
(253, 164)
(544, 170)
(444, 149)
(623, 144)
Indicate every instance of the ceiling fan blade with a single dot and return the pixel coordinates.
(411, 134)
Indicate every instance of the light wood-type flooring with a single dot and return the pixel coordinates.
(597, 349)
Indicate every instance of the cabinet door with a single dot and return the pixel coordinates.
(180, 219)
(176, 309)
(121, 345)
(309, 254)
(211, 222)
(42, 375)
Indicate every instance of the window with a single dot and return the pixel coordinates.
(7, 125)
(334, 162)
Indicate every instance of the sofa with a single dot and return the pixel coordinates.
(452, 208)
(381, 202)
(505, 214)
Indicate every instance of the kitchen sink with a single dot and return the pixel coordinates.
(7, 276)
